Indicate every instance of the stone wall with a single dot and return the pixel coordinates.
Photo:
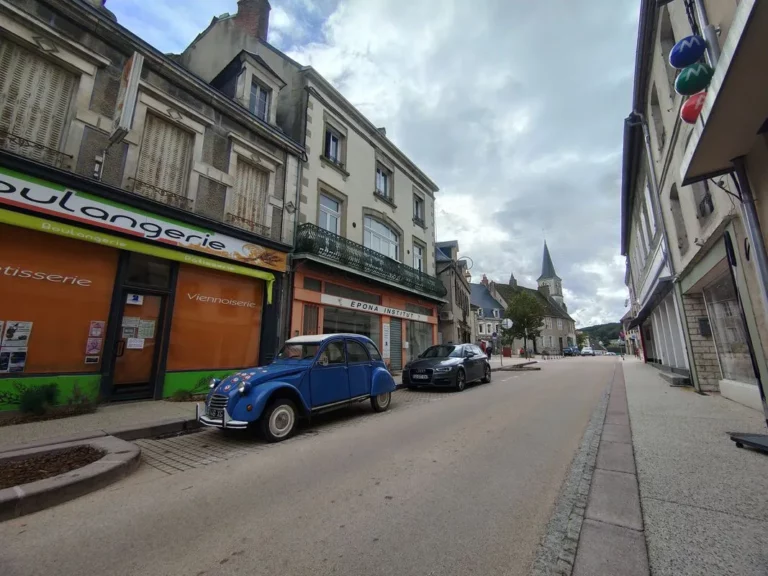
(703, 347)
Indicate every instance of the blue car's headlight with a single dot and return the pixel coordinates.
(214, 382)
(244, 388)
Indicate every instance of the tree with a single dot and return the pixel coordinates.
(527, 315)
(581, 339)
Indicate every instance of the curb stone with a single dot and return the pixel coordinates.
(120, 459)
(557, 551)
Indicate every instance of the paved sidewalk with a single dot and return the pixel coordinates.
(107, 417)
(704, 501)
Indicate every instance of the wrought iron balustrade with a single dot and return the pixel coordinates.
(246, 224)
(24, 147)
(160, 194)
(312, 239)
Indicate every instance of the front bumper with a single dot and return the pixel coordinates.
(225, 422)
(437, 379)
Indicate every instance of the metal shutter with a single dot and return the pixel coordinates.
(35, 97)
(396, 343)
(249, 200)
(165, 155)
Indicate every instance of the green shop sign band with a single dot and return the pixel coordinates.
(22, 191)
(51, 227)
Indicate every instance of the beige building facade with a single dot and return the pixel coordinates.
(705, 315)
(365, 230)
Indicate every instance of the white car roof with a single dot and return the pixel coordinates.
(317, 338)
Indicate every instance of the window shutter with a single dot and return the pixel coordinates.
(35, 96)
(250, 196)
(164, 157)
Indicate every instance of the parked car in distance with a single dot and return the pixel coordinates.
(311, 374)
(453, 365)
(570, 351)
(587, 351)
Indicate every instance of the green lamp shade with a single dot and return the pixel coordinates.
(693, 79)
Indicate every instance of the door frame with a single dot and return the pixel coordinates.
(120, 290)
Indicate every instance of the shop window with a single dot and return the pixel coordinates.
(419, 337)
(351, 293)
(216, 320)
(311, 314)
(148, 271)
(356, 352)
(341, 320)
(55, 296)
(728, 330)
(372, 350)
(35, 97)
(312, 284)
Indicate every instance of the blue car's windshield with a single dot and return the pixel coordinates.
(298, 351)
(442, 352)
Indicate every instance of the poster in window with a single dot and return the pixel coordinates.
(97, 329)
(135, 344)
(129, 332)
(13, 359)
(385, 349)
(131, 321)
(16, 334)
(93, 346)
(146, 329)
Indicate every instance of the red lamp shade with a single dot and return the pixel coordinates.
(691, 110)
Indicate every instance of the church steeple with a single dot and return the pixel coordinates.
(547, 268)
(549, 278)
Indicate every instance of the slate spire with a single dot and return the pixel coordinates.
(547, 268)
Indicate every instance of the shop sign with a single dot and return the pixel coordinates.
(68, 231)
(386, 341)
(22, 191)
(373, 308)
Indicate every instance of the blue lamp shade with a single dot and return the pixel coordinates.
(686, 52)
(693, 79)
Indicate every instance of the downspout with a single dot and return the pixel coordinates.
(634, 119)
(291, 269)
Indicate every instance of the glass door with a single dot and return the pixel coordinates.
(138, 345)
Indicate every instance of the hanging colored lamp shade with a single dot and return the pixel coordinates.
(686, 52)
(691, 109)
(693, 79)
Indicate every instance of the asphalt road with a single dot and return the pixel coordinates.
(455, 484)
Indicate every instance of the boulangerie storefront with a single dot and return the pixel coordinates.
(109, 299)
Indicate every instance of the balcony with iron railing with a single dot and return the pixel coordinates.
(34, 151)
(314, 240)
(159, 194)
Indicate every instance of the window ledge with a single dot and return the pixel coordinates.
(379, 196)
(338, 166)
(420, 223)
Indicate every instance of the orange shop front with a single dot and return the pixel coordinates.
(113, 314)
(402, 325)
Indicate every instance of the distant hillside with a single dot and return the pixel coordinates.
(602, 332)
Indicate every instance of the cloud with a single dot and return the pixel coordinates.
(514, 108)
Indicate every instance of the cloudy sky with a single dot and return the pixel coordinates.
(513, 107)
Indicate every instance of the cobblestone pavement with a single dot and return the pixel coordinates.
(201, 448)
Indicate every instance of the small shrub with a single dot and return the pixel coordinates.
(182, 396)
(37, 400)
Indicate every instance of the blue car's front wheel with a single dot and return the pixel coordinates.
(278, 420)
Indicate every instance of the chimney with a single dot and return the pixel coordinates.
(253, 17)
(484, 281)
(382, 131)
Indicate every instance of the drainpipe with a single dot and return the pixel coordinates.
(634, 119)
(709, 32)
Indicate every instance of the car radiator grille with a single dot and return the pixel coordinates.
(218, 402)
